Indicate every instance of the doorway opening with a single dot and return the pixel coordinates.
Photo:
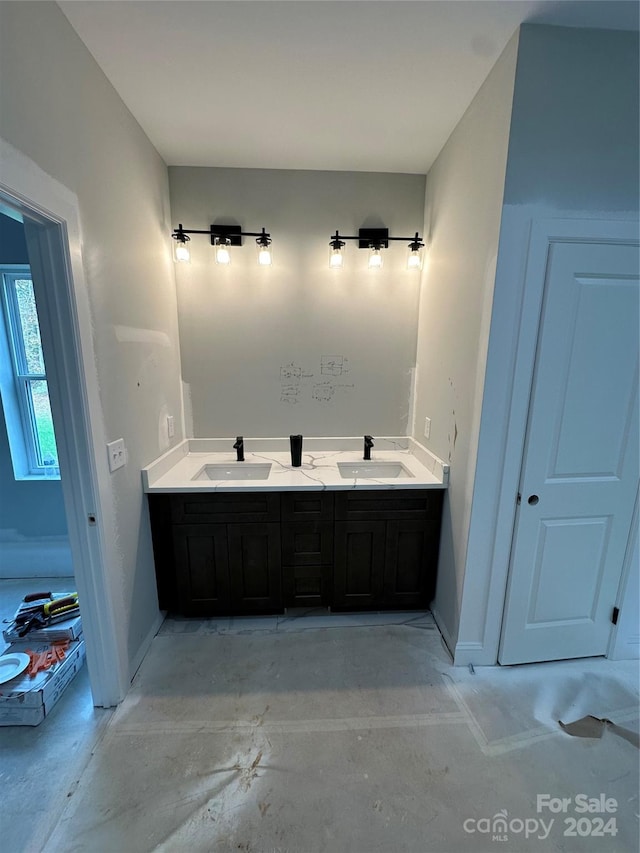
(35, 554)
(50, 216)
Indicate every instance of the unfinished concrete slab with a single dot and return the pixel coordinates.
(359, 738)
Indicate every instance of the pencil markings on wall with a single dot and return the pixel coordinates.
(298, 384)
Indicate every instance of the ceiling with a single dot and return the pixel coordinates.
(371, 85)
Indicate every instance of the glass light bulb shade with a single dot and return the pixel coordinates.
(264, 256)
(336, 259)
(375, 259)
(181, 253)
(414, 259)
(223, 256)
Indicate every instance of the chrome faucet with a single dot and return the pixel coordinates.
(239, 447)
(368, 444)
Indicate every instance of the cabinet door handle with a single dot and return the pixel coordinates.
(532, 500)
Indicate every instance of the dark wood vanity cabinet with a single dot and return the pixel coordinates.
(217, 553)
(386, 549)
(259, 552)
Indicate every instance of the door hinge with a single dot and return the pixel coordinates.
(518, 499)
(614, 615)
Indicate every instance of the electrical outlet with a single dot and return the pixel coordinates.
(427, 427)
(171, 427)
(117, 454)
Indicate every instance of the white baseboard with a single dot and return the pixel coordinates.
(629, 650)
(469, 653)
(444, 633)
(36, 558)
(144, 645)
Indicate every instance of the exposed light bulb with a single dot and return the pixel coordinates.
(336, 259)
(181, 252)
(264, 249)
(375, 259)
(223, 256)
(414, 259)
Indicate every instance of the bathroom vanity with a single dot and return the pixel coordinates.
(326, 534)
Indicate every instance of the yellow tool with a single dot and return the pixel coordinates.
(60, 605)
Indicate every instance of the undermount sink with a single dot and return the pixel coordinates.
(235, 471)
(373, 470)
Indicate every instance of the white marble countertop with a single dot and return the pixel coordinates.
(181, 469)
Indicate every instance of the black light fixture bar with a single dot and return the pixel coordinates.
(375, 239)
(231, 234)
(378, 237)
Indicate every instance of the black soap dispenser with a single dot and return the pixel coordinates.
(296, 450)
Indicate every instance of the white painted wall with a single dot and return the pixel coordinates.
(242, 327)
(573, 155)
(59, 110)
(462, 221)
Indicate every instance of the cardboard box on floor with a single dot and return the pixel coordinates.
(26, 701)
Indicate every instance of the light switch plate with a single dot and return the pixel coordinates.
(171, 427)
(427, 427)
(117, 454)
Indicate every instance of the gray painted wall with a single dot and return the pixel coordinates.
(59, 109)
(462, 222)
(30, 508)
(247, 333)
(573, 153)
(574, 138)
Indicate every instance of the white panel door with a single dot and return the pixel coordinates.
(580, 465)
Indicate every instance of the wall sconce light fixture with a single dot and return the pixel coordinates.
(374, 239)
(222, 238)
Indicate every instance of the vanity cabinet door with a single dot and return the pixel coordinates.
(255, 568)
(359, 564)
(411, 555)
(201, 569)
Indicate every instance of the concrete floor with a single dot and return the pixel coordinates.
(285, 734)
(39, 766)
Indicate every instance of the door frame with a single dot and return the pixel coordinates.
(519, 293)
(67, 340)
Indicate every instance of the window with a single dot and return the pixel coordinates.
(25, 393)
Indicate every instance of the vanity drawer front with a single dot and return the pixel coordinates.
(307, 506)
(383, 504)
(307, 543)
(306, 586)
(223, 507)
